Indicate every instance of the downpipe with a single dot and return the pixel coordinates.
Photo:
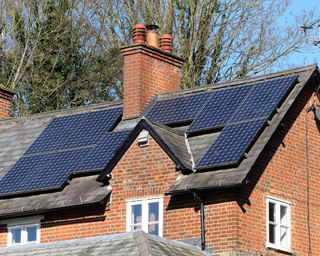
(202, 217)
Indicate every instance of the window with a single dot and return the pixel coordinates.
(23, 234)
(278, 224)
(145, 214)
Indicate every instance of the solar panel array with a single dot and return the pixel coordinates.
(246, 122)
(263, 98)
(241, 111)
(232, 143)
(84, 142)
(70, 144)
(219, 108)
(177, 109)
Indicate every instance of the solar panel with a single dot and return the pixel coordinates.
(231, 144)
(62, 149)
(42, 172)
(59, 169)
(264, 98)
(177, 109)
(220, 106)
(75, 130)
(104, 151)
(20, 177)
(93, 127)
(55, 134)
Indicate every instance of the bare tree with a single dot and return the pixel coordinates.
(63, 53)
(219, 40)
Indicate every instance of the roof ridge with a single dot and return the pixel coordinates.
(62, 112)
(229, 83)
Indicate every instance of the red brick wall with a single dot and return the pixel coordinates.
(146, 72)
(144, 172)
(234, 218)
(282, 173)
(5, 103)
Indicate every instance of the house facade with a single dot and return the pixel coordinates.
(232, 166)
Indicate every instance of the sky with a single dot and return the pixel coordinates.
(297, 7)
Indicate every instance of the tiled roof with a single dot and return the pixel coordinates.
(135, 243)
(184, 147)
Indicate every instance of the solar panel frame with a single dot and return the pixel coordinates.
(219, 108)
(264, 98)
(22, 174)
(48, 166)
(93, 127)
(55, 134)
(103, 152)
(61, 166)
(222, 152)
(177, 110)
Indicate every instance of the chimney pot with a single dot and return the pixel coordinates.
(139, 34)
(152, 36)
(166, 43)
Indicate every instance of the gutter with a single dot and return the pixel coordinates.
(36, 212)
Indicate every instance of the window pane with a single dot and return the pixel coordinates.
(272, 233)
(283, 215)
(272, 212)
(138, 227)
(32, 234)
(153, 229)
(136, 214)
(153, 212)
(284, 237)
(16, 235)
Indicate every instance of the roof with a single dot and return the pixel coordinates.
(134, 243)
(62, 159)
(189, 147)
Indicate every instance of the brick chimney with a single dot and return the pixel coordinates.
(5, 101)
(147, 71)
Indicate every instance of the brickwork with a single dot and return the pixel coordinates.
(234, 218)
(5, 103)
(282, 172)
(146, 72)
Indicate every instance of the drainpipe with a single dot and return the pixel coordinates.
(202, 216)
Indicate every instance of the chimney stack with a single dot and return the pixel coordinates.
(6, 97)
(148, 70)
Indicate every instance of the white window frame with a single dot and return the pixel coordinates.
(278, 203)
(24, 234)
(23, 223)
(144, 203)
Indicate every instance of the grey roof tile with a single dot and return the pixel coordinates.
(135, 243)
(81, 191)
(235, 176)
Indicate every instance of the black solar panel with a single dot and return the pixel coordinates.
(104, 151)
(231, 144)
(62, 149)
(178, 109)
(21, 176)
(264, 98)
(59, 169)
(220, 106)
(75, 131)
(56, 134)
(93, 127)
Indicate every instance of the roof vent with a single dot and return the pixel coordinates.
(143, 139)
(139, 34)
